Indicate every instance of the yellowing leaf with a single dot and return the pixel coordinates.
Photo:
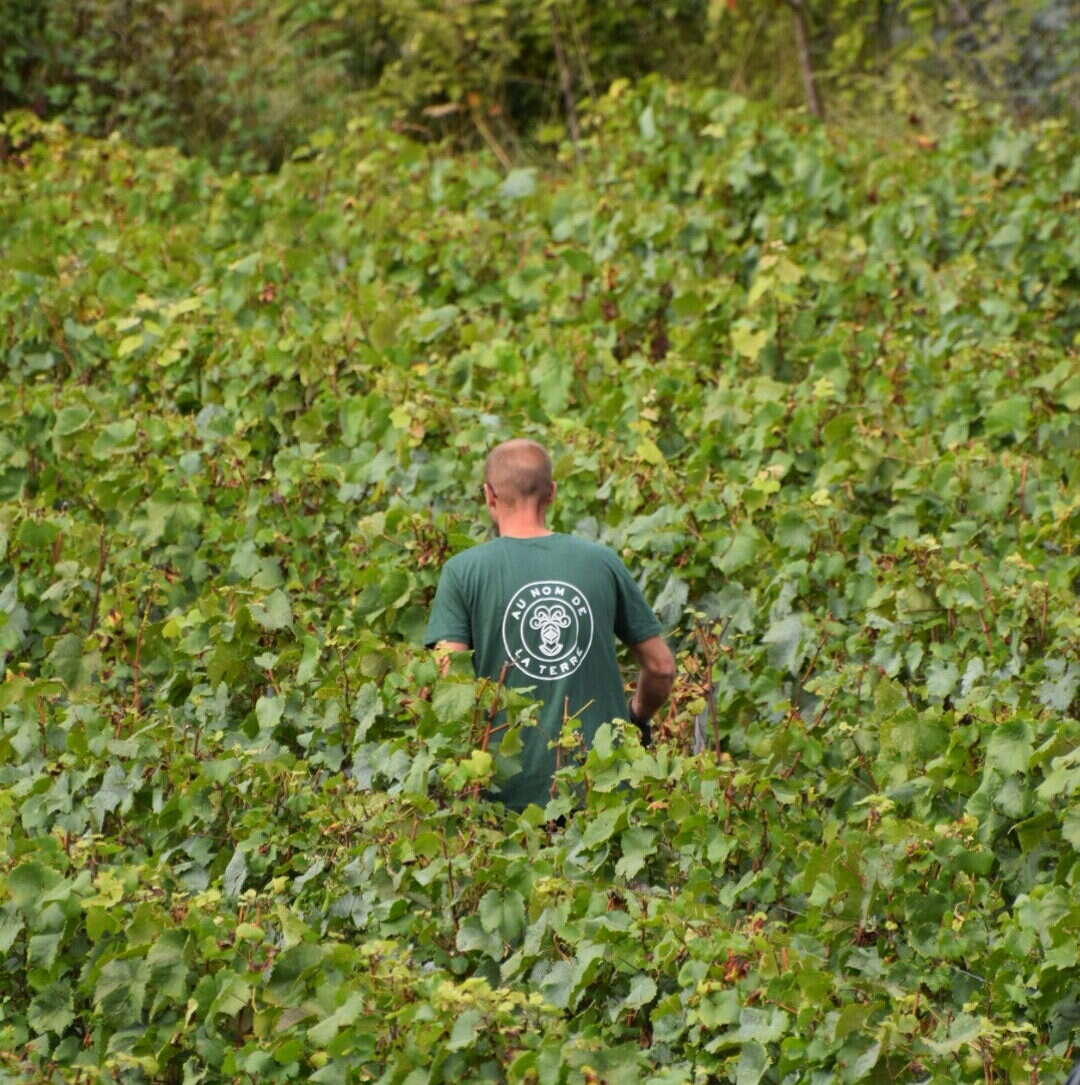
(787, 271)
(762, 285)
(748, 342)
(382, 331)
(479, 765)
(129, 344)
(185, 305)
(649, 451)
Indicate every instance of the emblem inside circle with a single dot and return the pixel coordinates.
(548, 629)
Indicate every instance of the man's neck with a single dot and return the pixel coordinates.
(522, 527)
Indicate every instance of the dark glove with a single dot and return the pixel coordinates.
(641, 724)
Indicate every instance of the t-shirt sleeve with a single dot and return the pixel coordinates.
(449, 618)
(634, 618)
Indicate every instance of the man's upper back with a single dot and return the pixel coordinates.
(551, 607)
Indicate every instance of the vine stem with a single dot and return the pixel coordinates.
(136, 663)
(566, 80)
(489, 138)
(814, 658)
(103, 553)
(806, 67)
(493, 711)
(449, 874)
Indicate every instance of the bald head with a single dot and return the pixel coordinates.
(519, 472)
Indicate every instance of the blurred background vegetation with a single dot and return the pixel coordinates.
(244, 82)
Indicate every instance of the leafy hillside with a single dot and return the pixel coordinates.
(820, 393)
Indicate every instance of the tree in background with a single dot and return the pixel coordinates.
(246, 82)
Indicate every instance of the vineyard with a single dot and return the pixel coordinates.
(818, 389)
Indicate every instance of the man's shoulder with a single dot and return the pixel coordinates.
(576, 547)
(471, 556)
(598, 551)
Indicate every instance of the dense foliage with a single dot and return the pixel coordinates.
(243, 81)
(822, 396)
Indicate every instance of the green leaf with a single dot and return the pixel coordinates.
(637, 845)
(29, 881)
(671, 601)
(232, 995)
(273, 612)
(557, 984)
(1070, 827)
(99, 922)
(121, 990)
(866, 1062)
(346, 1014)
(11, 926)
(741, 551)
(719, 1009)
(232, 881)
(519, 183)
(453, 701)
(430, 324)
(69, 664)
(366, 707)
(268, 711)
(53, 1009)
(1009, 416)
(114, 437)
(42, 949)
(941, 678)
(115, 793)
(553, 380)
(465, 1030)
(1010, 747)
(785, 639)
(1009, 234)
(964, 1029)
(472, 937)
(1058, 690)
(70, 420)
(647, 124)
(793, 532)
(309, 660)
(688, 305)
(642, 992)
(763, 1026)
(752, 1064)
(503, 912)
(1068, 395)
(602, 827)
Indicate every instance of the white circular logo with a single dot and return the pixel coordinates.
(548, 629)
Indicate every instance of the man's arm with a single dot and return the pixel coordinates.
(656, 677)
(449, 627)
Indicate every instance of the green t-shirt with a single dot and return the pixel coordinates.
(552, 606)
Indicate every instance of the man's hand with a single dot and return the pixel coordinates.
(643, 726)
(654, 682)
(442, 653)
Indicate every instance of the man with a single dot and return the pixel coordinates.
(543, 609)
